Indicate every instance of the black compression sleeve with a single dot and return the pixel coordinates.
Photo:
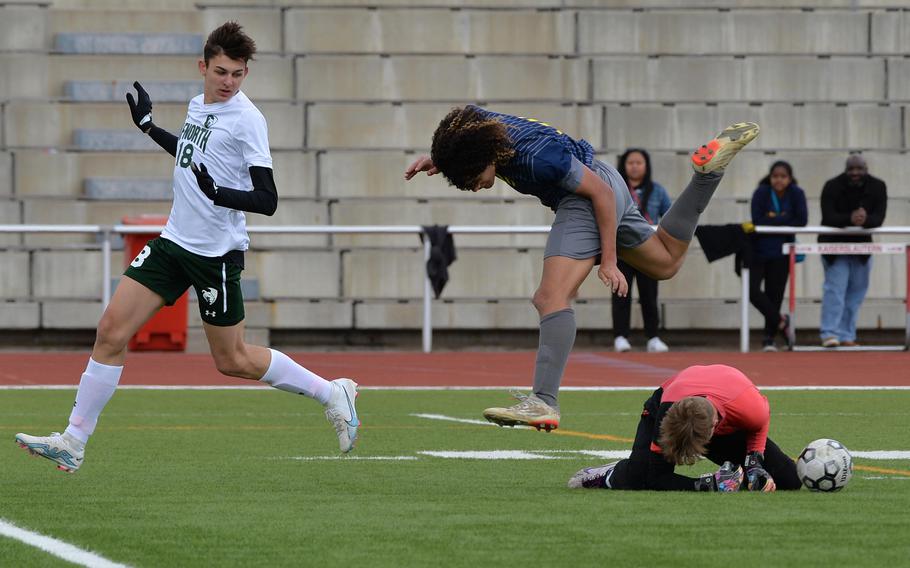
(164, 139)
(263, 199)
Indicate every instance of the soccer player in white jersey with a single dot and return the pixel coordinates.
(222, 169)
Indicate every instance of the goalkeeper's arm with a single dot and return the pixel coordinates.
(757, 477)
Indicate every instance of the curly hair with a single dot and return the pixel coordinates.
(686, 430)
(465, 143)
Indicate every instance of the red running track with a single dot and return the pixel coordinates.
(482, 368)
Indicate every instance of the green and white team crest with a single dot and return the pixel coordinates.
(210, 120)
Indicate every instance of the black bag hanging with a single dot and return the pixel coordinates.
(442, 254)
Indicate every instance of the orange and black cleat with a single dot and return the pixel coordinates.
(715, 155)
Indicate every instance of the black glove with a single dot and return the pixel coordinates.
(726, 479)
(141, 111)
(205, 181)
(757, 478)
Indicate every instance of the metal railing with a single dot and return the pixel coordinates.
(791, 250)
(107, 231)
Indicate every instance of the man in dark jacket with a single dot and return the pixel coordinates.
(852, 199)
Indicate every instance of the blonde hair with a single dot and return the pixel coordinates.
(686, 430)
(465, 143)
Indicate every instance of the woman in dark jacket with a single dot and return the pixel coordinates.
(778, 201)
(653, 201)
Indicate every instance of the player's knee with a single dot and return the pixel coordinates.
(544, 300)
(111, 337)
(664, 272)
(231, 365)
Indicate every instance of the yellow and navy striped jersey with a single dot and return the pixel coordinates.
(546, 163)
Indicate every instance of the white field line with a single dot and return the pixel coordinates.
(870, 455)
(534, 455)
(56, 547)
(885, 477)
(348, 458)
(443, 388)
(881, 455)
(527, 454)
(492, 455)
(445, 418)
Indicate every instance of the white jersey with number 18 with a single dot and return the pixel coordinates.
(228, 138)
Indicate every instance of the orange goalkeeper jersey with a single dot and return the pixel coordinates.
(740, 405)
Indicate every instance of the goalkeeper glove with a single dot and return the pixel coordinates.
(757, 478)
(141, 110)
(205, 181)
(726, 479)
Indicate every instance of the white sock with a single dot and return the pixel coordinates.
(284, 374)
(96, 387)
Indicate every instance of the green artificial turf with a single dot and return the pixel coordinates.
(209, 478)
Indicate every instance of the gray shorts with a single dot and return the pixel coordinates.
(575, 233)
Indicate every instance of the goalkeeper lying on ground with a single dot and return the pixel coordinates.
(712, 411)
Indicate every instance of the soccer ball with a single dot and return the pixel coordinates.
(825, 465)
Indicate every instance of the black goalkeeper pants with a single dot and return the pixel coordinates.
(632, 473)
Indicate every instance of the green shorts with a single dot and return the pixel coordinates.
(168, 269)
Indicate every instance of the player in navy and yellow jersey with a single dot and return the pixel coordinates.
(596, 221)
(711, 411)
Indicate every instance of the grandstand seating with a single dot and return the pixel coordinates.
(352, 90)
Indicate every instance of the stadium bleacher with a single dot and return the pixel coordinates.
(352, 90)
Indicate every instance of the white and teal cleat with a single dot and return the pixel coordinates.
(340, 411)
(62, 449)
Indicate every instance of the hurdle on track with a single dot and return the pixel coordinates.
(793, 249)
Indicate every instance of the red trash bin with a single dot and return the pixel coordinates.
(166, 330)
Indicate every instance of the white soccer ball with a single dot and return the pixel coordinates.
(825, 465)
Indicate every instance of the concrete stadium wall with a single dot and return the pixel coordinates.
(352, 91)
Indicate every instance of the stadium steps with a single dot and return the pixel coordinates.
(263, 24)
(677, 314)
(346, 174)
(23, 27)
(6, 175)
(666, 79)
(108, 140)
(366, 127)
(87, 20)
(108, 125)
(878, 313)
(351, 151)
(270, 79)
(60, 173)
(143, 189)
(300, 275)
(427, 30)
(115, 91)
(144, 44)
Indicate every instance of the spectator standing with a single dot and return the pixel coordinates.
(653, 201)
(852, 199)
(778, 202)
